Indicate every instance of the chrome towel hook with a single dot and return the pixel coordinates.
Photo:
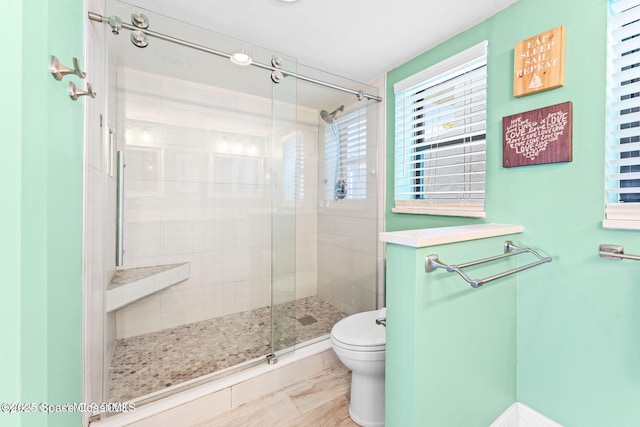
(58, 71)
(75, 93)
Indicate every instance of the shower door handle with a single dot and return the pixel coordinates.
(120, 210)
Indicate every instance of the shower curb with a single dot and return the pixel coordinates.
(185, 408)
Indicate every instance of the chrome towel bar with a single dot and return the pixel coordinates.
(432, 262)
(616, 252)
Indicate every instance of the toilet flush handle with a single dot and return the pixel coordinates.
(381, 321)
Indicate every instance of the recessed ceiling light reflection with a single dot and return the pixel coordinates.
(241, 58)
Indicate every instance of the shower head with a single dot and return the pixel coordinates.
(330, 117)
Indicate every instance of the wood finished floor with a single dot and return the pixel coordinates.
(321, 401)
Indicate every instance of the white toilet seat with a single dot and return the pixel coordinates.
(359, 332)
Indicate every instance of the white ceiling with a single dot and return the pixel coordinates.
(357, 39)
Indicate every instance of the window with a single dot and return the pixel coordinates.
(293, 166)
(440, 137)
(623, 112)
(345, 151)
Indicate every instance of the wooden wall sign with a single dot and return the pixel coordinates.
(537, 137)
(538, 63)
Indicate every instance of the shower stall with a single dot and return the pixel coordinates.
(241, 204)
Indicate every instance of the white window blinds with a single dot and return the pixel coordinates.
(623, 126)
(440, 133)
(345, 150)
(293, 166)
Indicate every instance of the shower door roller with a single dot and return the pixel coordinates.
(139, 39)
(277, 76)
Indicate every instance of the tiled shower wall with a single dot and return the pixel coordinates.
(350, 256)
(182, 205)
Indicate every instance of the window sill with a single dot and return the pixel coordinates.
(442, 212)
(618, 224)
(622, 216)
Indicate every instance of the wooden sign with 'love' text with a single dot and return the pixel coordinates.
(537, 137)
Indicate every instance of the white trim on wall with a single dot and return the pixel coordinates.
(520, 415)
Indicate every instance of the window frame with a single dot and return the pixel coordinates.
(352, 156)
(470, 145)
(620, 214)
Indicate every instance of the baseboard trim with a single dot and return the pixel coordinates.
(520, 415)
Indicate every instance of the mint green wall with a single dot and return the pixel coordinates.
(44, 206)
(578, 346)
(451, 349)
(10, 196)
(400, 381)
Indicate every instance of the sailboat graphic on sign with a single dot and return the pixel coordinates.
(535, 82)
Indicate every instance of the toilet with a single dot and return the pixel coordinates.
(359, 342)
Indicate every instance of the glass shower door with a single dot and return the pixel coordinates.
(286, 159)
(209, 210)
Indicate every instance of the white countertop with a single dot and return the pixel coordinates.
(442, 235)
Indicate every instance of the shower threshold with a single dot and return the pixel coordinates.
(159, 361)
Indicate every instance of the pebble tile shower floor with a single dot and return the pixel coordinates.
(147, 363)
